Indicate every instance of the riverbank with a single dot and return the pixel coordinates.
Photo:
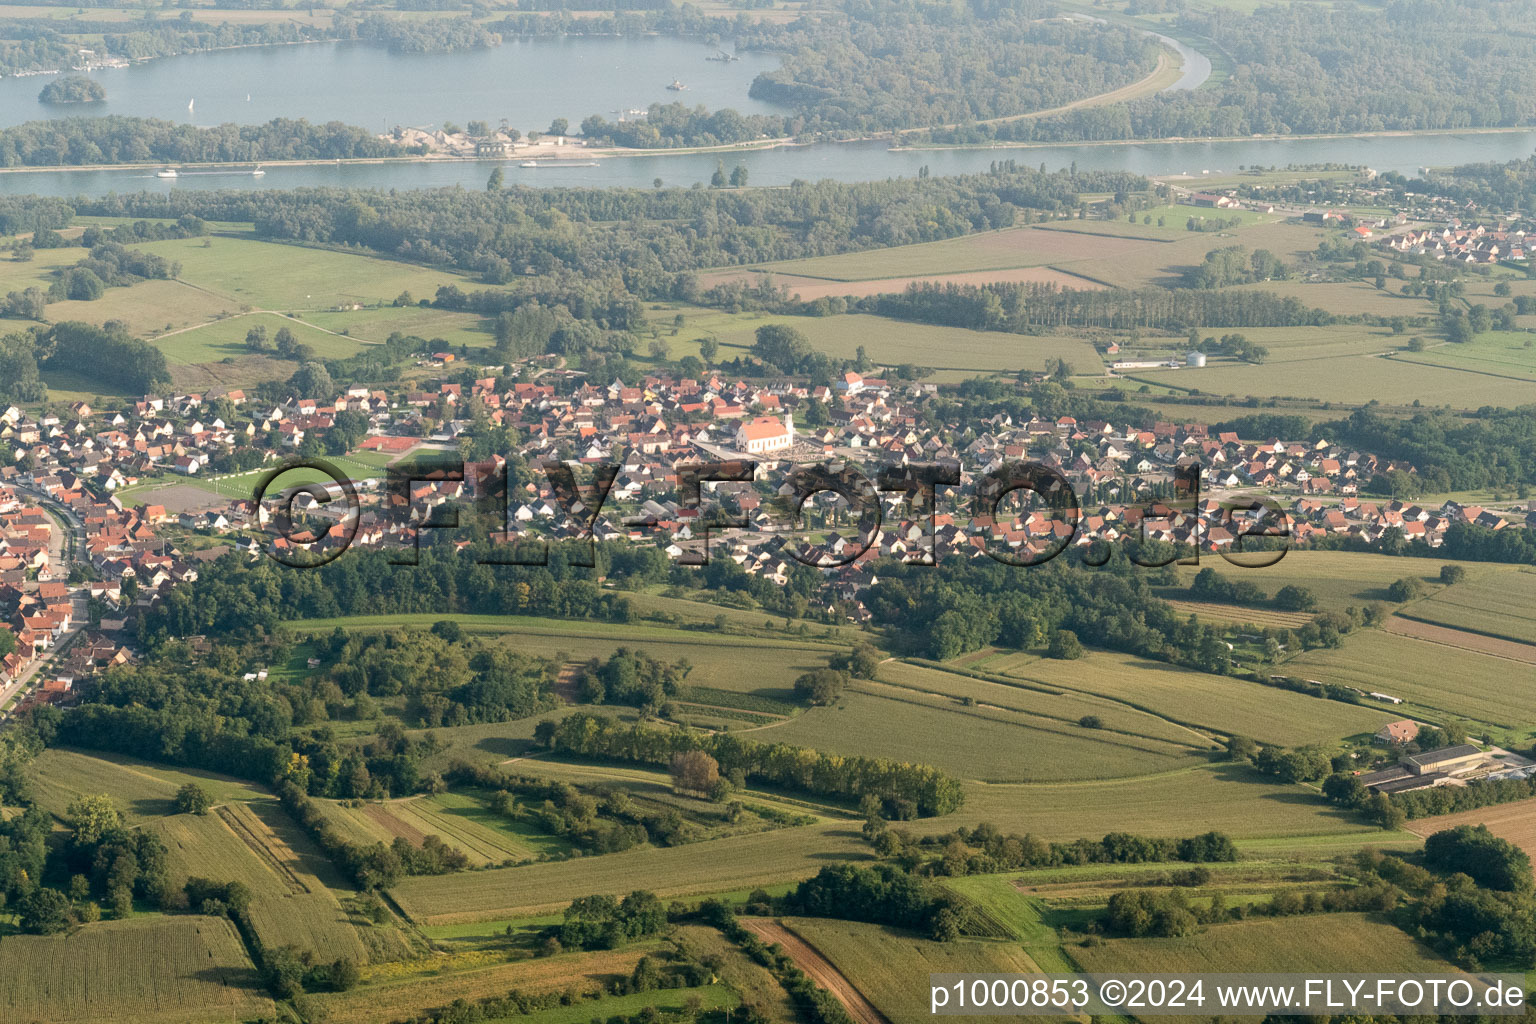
(1182, 140)
(579, 154)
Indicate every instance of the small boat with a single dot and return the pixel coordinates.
(676, 86)
(258, 172)
(723, 58)
(167, 172)
(529, 163)
(247, 97)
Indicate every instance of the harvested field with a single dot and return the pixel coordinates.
(394, 992)
(809, 288)
(170, 970)
(717, 865)
(1241, 616)
(1221, 704)
(1461, 638)
(1494, 604)
(993, 744)
(1515, 822)
(1437, 681)
(1224, 798)
(890, 967)
(1319, 942)
(819, 968)
(1009, 248)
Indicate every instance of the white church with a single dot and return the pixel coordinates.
(766, 434)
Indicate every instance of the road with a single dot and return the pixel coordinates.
(818, 967)
(63, 545)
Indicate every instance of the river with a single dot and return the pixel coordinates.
(530, 81)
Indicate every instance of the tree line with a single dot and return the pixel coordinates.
(902, 789)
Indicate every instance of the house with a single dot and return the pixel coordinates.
(766, 434)
(1399, 732)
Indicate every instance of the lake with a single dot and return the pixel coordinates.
(531, 81)
(527, 81)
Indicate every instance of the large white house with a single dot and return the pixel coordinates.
(766, 434)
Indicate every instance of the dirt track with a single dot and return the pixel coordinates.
(818, 967)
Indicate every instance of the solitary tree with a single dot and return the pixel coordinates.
(192, 799)
(694, 771)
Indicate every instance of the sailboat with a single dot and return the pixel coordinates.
(189, 105)
(247, 97)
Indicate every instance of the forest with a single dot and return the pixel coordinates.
(1303, 69)
(646, 240)
(84, 141)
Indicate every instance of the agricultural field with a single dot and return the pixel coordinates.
(756, 985)
(1510, 354)
(1006, 249)
(462, 820)
(176, 970)
(986, 743)
(1438, 682)
(890, 967)
(955, 353)
(1464, 639)
(454, 329)
(1220, 704)
(225, 339)
(1318, 942)
(1174, 217)
(652, 789)
(246, 837)
(739, 862)
(1344, 378)
(1495, 604)
(274, 276)
(1240, 615)
(1338, 579)
(397, 991)
(1515, 822)
(1041, 705)
(1224, 798)
(143, 791)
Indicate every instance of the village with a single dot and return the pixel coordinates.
(78, 564)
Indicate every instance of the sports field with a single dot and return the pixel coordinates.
(178, 970)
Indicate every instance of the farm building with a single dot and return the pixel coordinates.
(1446, 759)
